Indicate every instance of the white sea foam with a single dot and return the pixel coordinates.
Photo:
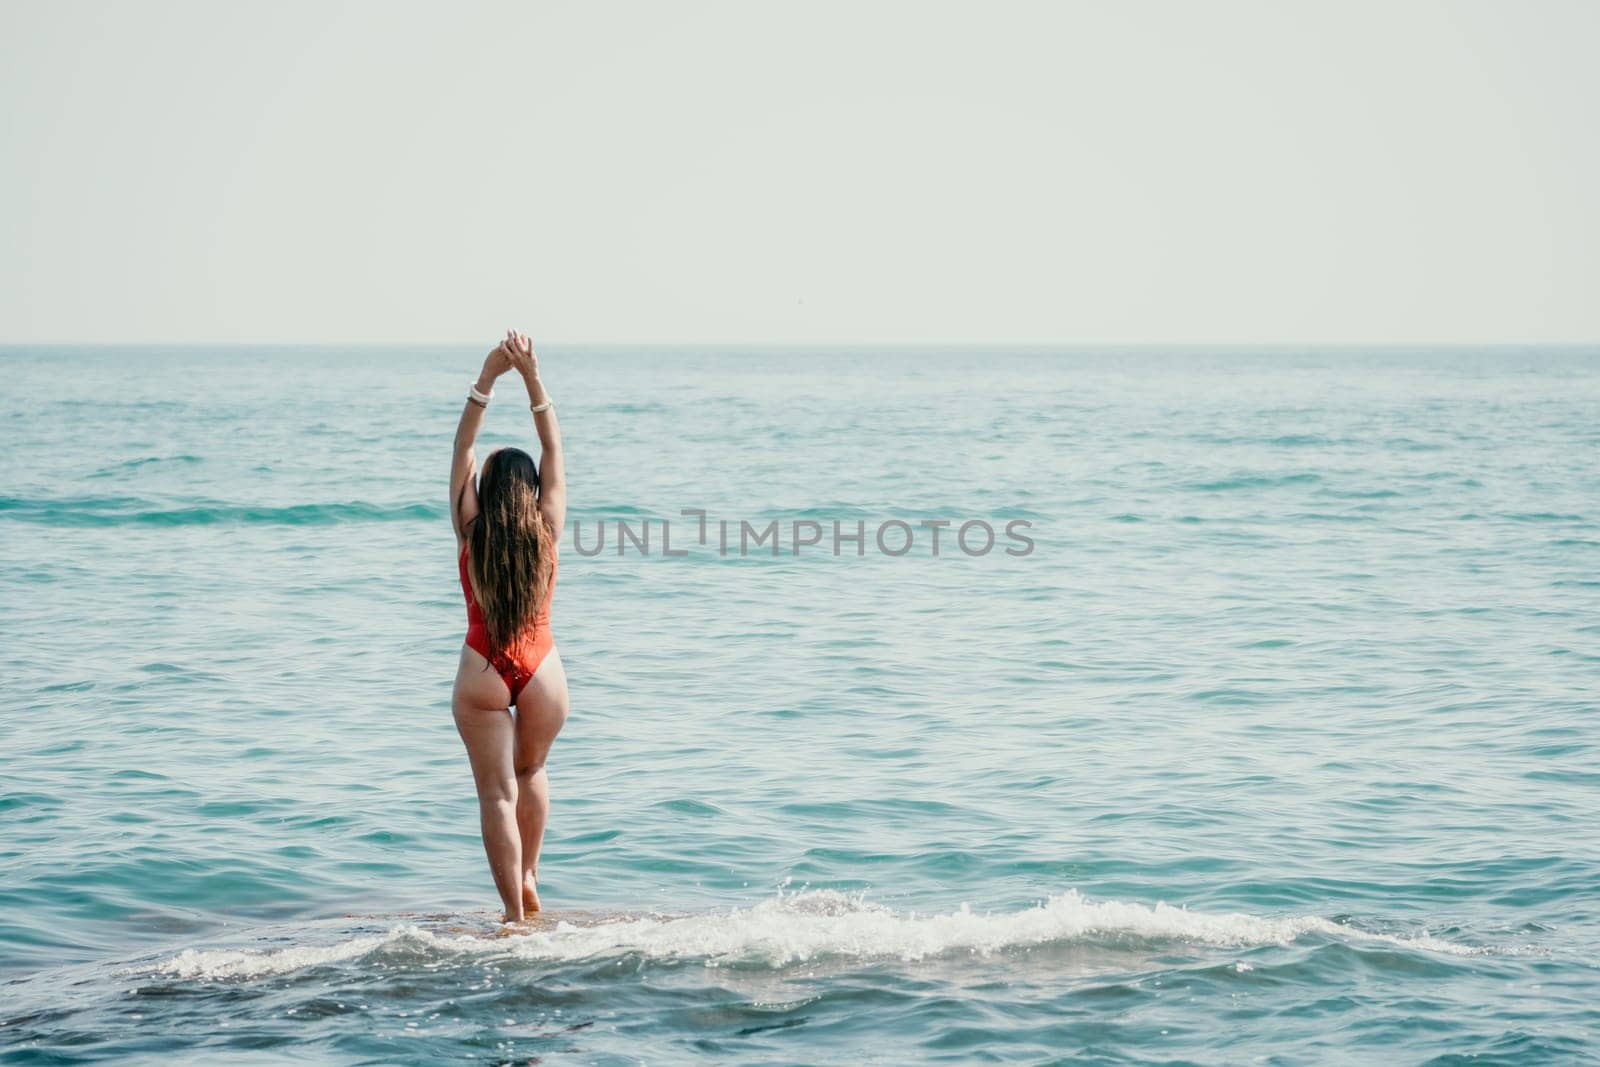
(246, 963)
(812, 925)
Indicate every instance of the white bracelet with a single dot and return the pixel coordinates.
(482, 398)
(536, 408)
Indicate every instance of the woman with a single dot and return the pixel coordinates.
(510, 696)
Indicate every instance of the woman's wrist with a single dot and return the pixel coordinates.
(485, 382)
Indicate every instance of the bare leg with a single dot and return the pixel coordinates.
(533, 811)
(490, 735)
(541, 712)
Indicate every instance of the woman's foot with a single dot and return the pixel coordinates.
(530, 893)
(512, 927)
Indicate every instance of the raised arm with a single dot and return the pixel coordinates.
(464, 460)
(552, 465)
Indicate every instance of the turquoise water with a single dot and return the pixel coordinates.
(1278, 747)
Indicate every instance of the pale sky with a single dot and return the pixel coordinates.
(806, 172)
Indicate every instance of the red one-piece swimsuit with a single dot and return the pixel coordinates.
(517, 664)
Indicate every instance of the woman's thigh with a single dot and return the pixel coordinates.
(541, 711)
(479, 704)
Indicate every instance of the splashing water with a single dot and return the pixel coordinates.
(809, 925)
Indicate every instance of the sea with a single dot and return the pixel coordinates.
(1246, 710)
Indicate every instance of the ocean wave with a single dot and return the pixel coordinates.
(811, 925)
(138, 462)
(1252, 481)
(121, 511)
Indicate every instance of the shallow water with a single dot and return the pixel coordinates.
(1279, 745)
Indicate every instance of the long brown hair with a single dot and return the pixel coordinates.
(512, 550)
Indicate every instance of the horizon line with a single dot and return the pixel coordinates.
(847, 343)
